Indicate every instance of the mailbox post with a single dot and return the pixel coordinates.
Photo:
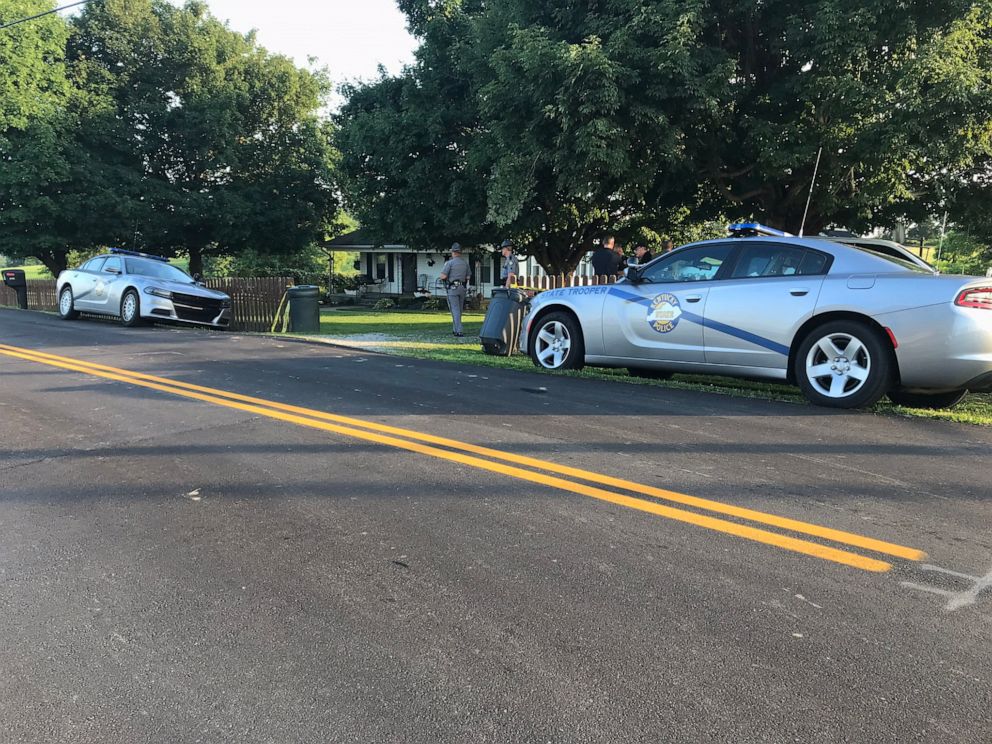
(14, 278)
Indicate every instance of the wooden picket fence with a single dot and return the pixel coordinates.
(254, 302)
(41, 295)
(557, 281)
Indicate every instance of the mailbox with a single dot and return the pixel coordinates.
(14, 278)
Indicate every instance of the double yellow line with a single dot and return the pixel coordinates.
(506, 463)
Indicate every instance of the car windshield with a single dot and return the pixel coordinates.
(157, 270)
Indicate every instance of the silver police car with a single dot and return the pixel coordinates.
(137, 287)
(847, 320)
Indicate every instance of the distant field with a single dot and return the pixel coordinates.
(33, 272)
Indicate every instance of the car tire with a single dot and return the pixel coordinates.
(131, 309)
(67, 304)
(927, 400)
(556, 343)
(843, 364)
(649, 374)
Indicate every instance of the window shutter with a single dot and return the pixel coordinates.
(391, 268)
(370, 267)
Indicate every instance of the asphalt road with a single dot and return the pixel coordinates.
(208, 569)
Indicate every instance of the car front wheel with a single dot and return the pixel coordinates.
(130, 309)
(556, 343)
(67, 304)
(843, 364)
(927, 400)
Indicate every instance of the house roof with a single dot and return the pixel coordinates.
(359, 238)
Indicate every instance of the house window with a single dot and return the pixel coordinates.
(487, 272)
(380, 266)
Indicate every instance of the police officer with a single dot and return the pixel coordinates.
(455, 275)
(511, 266)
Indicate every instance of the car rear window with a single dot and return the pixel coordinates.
(884, 253)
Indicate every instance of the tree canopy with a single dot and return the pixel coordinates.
(175, 134)
(549, 122)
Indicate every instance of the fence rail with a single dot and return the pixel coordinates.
(254, 302)
(557, 281)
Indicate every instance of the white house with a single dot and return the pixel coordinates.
(396, 269)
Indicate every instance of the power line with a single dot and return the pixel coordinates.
(42, 15)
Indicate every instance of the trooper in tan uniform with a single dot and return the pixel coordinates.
(456, 274)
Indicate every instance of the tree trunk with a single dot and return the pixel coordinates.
(561, 254)
(55, 261)
(195, 260)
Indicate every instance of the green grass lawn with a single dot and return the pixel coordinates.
(427, 335)
(33, 272)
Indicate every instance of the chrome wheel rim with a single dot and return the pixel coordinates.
(65, 302)
(552, 345)
(129, 308)
(838, 365)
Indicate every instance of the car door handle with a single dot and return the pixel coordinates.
(693, 298)
(799, 292)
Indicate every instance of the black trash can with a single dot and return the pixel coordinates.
(304, 309)
(500, 332)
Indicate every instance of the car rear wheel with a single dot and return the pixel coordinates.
(927, 400)
(843, 364)
(649, 374)
(67, 304)
(556, 343)
(130, 309)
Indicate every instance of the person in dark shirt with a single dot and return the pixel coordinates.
(604, 258)
(643, 254)
(621, 258)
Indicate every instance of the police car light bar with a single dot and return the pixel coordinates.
(753, 229)
(122, 252)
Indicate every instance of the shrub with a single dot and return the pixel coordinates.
(384, 304)
(435, 303)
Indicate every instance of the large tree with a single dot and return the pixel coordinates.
(34, 100)
(597, 113)
(233, 151)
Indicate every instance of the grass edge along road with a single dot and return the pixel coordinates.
(426, 335)
(422, 443)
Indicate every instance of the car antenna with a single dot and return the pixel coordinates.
(812, 183)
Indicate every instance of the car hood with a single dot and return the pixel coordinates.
(182, 287)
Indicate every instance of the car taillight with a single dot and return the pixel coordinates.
(975, 297)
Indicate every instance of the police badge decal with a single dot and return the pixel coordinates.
(664, 313)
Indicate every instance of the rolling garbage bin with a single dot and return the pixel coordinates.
(500, 332)
(304, 309)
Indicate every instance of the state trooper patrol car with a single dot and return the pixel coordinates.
(138, 287)
(848, 320)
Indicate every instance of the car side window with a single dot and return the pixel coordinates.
(815, 263)
(112, 266)
(768, 259)
(700, 263)
(94, 264)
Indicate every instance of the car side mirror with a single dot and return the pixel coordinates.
(198, 278)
